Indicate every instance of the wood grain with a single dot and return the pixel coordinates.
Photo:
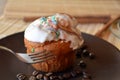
(22, 8)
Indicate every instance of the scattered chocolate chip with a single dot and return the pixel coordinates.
(35, 73)
(79, 72)
(78, 53)
(39, 76)
(86, 75)
(60, 77)
(91, 55)
(45, 78)
(66, 75)
(73, 74)
(53, 77)
(21, 76)
(85, 53)
(49, 74)
(32, 78)
(82, 64)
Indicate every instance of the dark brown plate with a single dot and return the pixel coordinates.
(106, 66)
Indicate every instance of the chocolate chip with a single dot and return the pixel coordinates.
(82, 64)
(73, 74)
(39, 76)
(49, 74)
(91, 55)
(66, 75)
(78, 55)
(45, 78)
(86, 75)
(79, 72)
(60, 77)
(85, 53)
(32, 78)
(21, 76)
(35, 73)
(53, 77)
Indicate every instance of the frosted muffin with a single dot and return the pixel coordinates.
(57, 34)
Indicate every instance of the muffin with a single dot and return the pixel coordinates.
(57, 34)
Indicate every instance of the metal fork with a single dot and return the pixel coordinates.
(31, 57)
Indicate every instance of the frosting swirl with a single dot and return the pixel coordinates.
(48, 29)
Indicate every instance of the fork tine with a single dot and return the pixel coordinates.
(32, 54)
(40, 54)
(42, 60)
(42, 57)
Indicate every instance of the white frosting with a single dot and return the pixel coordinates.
(39, 31)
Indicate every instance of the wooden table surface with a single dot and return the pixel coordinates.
(11, 20)
(20, 8)
(2, 5)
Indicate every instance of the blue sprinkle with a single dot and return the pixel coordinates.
(53, 17)
(43, 19)
(53, 20)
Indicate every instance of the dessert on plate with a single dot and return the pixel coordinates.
(57, 34)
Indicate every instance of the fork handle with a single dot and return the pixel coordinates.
(7, 49)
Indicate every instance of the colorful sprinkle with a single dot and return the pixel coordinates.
(53, 18)
(54, 22)
(50, 21)
(42, 19)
